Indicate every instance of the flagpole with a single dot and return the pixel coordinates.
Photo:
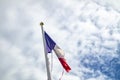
(46, 58)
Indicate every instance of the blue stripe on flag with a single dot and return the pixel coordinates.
(50, 44)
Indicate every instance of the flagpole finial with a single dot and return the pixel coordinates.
(41, 23)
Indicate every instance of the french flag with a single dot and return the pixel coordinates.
(51, 45)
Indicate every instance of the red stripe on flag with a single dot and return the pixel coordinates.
(64, 64)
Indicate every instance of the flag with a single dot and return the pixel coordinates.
(51, 45)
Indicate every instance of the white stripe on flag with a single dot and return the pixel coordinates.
(59, 52)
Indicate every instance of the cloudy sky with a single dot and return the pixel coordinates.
(87, 30)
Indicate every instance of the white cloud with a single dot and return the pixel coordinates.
(110, 4)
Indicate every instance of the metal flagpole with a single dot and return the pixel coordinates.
(46, 58)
